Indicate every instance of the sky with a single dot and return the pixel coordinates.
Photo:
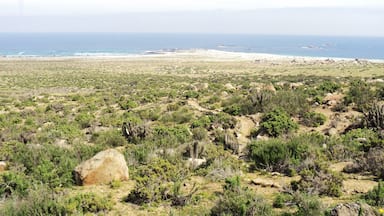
(308, 17)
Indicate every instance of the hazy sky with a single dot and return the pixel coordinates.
(324, 17)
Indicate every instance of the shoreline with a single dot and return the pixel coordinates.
(194, 54)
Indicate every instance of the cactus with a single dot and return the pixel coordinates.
(260, 99)
(374, 118)
(231, 142)
(195, 150)
(133, 132)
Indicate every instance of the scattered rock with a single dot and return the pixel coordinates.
(269, 87)
(201, 86)
(224, 94)
(331, 132)
(3, 166)
(195, 162)
(261, 137)
(229, 86)
(62, 143)
(103, 168)
(295, 85)
(331, 102)
(276, 174)
(375, 81)
(265, 183)
(353, 209)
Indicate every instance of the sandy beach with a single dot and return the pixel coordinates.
(198, 55)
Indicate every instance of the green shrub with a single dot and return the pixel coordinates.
(307, 205)
(12, 183)
(360, 94)
(153, 182)
(313, 119)
(48, 164)
(281, 200)
(375, 196)
(277, 122)
(373, 161)
(293, 102)
(60, 130)
(272, 155)
(191, 94)
(220, 163)
(180, 116)
(87, 203)
(361, 139)
(126, 103)
(141, 153)
(329, 87)
(111, 138)
(224, 120)
(38, 202)
(150, 114)
(199, 134)
(278, 155)
(233, 109)
(84, 120)
(317, 180)
(238, 200)
(171, 136)
(203, 121)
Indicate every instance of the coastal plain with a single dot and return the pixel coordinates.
(56, 112)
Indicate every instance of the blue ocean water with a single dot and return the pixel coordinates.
(75, 44)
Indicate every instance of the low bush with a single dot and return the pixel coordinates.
(220, 163)
(307, 205)
(277, 123)
(281, 200)
(238, 200)
(293, 102)
(203, 121)
(153, 182)
(199, 134)
(13, 184)
(317, 180)
(353, 145)
(47, 164)
(126, 103)
(372, 161)
(361, 94)
(180, 116)
(233, 109)
(375, 197)
(313, 119)
(38, 202)
(84, 120)
(171, 136)
(84, 203)
(110, 138)
(191, 94)
(278, 155)
(329, 86)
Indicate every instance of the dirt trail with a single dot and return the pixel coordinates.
(246, 125)
(194, 104)
(244, 128)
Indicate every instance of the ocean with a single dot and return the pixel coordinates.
(99, 44)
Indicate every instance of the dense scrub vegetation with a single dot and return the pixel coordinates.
(194, 135)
